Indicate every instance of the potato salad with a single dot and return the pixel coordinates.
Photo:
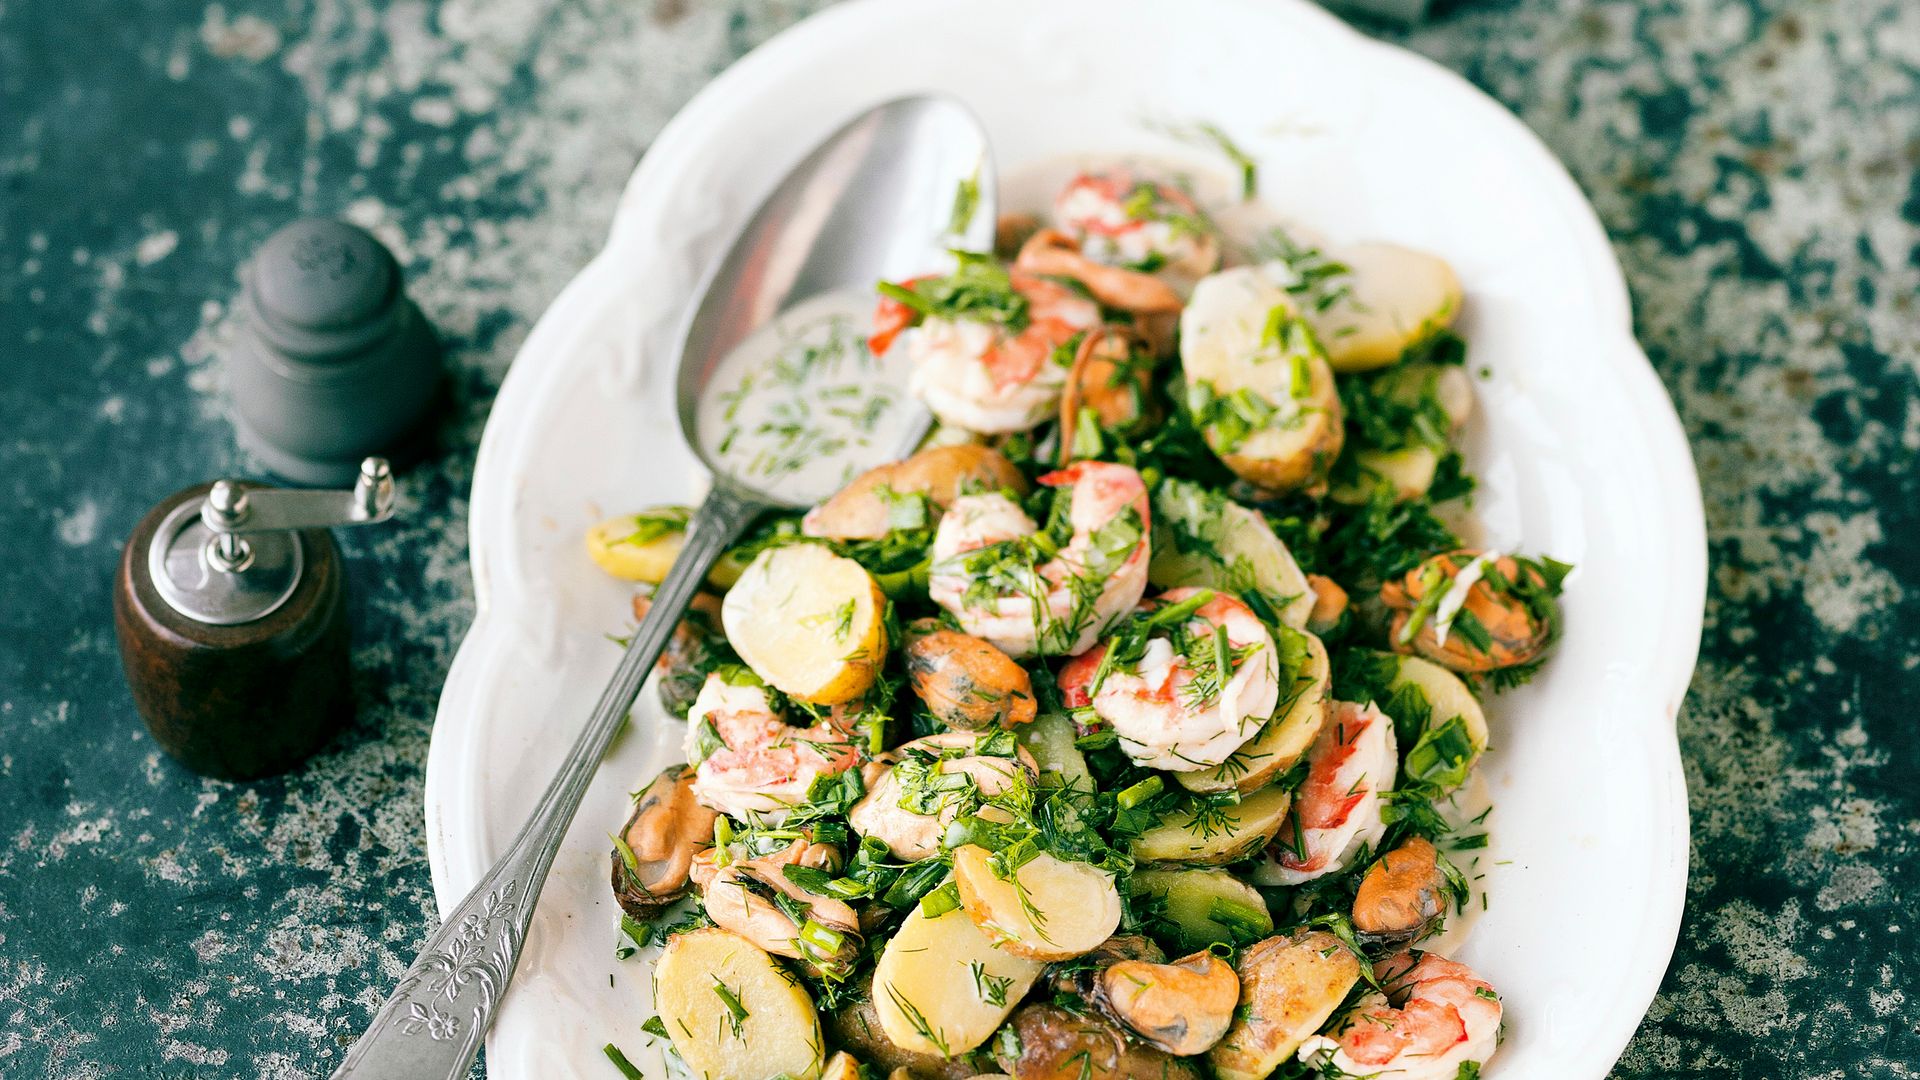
(1128, 728)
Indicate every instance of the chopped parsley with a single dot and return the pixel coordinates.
(979, 289)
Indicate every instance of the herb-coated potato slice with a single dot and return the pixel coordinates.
(1417, 381)
(1218, 836)
(1407, 472)
(731, 1012)
(1050, 739)
(1259, 384)
(1050, 909)
(942, 985)
(809, 622)
(855, 1024)
(1289, 986)
(1199, 907)
(1395, 297)
(1283, 741)
(1446, 750)
(1201, 537)
(639, 547)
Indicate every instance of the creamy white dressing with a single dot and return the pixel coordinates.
(1473, 799)
(802, 405)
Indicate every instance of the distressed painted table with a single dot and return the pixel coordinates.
(1758, 166)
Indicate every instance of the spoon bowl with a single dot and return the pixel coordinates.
(876, 200)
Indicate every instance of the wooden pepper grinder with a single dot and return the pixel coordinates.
(230, 604)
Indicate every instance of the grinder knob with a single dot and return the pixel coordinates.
(230, 605)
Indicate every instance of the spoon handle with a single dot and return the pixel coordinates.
(432, 1025)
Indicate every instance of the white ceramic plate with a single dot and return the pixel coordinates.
(1577, 447)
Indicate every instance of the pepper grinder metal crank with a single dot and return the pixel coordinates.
(230, 604)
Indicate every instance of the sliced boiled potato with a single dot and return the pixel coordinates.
(732, 1012)
(1200, 907)
(1050, 739)
(1415, 381)
(1447, 694)
(1219, 835)
(1050, 909)
(1407, 472)
(854, 1023)
(942, 985)
(1289, 986)
(1228, 347)
(1447, 697)
(1201, 537)
(1283, 741)
(809, 622)
(1395, 297)
(639, 547)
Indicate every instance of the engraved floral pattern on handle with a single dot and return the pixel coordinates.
(465, 961)
(432, 1025)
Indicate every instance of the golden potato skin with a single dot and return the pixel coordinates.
(775, 1033)
(1303, 456)
(1289, 986)
(609, 547)
(1225, 348)
(967, 683)
(809, 622)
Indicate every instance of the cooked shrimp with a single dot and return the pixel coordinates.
(1109, 380)
(909, 808)
(1436, 1016)
(1124, 220)
(1338, 808)
(761, 765)
(1171, 707)
(987, 369)
(1473, 611)
(1020, 588)
(1055, 254)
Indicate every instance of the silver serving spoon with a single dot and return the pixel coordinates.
(874, 201)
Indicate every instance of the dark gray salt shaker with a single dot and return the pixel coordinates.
(334, 362)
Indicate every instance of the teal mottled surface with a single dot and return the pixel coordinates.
(1756, 163)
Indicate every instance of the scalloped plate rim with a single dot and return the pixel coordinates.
(535, 371)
